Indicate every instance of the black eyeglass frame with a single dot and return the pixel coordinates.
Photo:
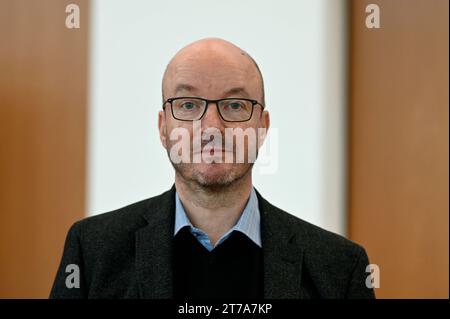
(216, 102)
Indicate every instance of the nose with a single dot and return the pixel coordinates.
(212, 117)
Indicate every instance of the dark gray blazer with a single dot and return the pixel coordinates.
(127, 253)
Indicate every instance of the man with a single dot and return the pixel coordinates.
(212, 235)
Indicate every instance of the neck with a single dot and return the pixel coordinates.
(214, 210)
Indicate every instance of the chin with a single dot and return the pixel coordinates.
(215, 174)
(212, 175)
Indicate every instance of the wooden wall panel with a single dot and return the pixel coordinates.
(399, 144)
(43, 86)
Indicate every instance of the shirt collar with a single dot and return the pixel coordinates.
(248, 223)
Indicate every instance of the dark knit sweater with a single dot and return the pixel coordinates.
(233, 269)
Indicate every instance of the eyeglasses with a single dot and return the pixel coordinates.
(194, 108)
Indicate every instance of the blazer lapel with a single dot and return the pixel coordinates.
(154, 246)
(282, 256)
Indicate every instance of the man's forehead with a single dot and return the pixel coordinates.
(215, 66)
(223, 78)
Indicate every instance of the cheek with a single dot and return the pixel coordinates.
(250, 137)
(178, 129)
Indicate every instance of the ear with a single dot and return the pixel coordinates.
(263, 129)
(265, 120)
(162, 128)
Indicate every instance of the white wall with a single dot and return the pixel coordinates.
(300, 47)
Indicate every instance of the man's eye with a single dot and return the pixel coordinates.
(188, 105)
(235, 106)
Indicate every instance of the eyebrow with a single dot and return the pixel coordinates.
(190, 88)
(237, 91)
(184, 87)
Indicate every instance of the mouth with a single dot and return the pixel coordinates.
(214, 151)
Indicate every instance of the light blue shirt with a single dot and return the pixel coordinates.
(248, 223)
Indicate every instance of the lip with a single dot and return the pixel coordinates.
(215, 151)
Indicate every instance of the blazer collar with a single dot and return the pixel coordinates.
(282, 254)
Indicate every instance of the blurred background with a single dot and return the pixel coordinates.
(361, 116)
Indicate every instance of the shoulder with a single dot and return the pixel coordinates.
(117, 223)
(317, 238)
(321, 249)
(310, 235)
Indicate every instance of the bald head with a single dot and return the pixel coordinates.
(213, 68)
